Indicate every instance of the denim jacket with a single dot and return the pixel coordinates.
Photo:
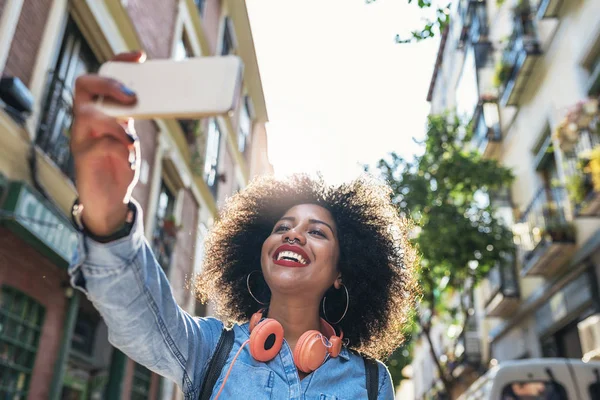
(128, 287)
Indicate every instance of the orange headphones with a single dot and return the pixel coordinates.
(312, 348)
(266, 338)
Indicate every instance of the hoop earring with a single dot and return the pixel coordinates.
(250, 291)
(345, 310)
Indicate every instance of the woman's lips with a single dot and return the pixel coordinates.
(289, 263)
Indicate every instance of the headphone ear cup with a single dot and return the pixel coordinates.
(310, 351)
(254, 320)
(336, 346)
(266, 339)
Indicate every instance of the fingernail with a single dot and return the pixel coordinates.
(127, 91)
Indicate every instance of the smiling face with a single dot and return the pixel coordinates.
(302, 252)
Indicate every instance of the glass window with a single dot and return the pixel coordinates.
(245, 125)
(21, 320)
(183, 48)
(84, 334)
(164, 236)
(75, 58)
(200, 4)
(467, 92)
(228, 45)
(212, 155)
(140, 388)
(534, 390)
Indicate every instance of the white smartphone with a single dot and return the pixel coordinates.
(190, 88)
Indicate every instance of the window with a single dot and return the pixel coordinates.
(165, 231)
(75, 58)
(467, 92)
(212, 156)
(245, 125)
(200, 4)
(534, 390)
(140, 388)
(591, 65)
(21, 320)
(228, 46)
(84, 334)
(183, 48)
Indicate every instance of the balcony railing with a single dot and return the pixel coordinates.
(473, 16)
(53, 132)
(544, 234)
(580, 160)
(486, 128)
(502, 289)
(548, 8)
(518, 58)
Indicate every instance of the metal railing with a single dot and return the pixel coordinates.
(546, 211)
(502, 278)
(523, 41)
(55, 124)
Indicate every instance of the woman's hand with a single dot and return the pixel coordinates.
(106, 151)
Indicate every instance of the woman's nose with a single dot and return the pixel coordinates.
(293, 236)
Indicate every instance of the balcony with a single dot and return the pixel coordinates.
(53, 132)
(503, 290)
(467, 353)
(579, 139)
(518, 59)
(548, 8)
(473, 15)
(545, 237)
(486, 128)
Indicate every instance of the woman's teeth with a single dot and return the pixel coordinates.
(290, 255)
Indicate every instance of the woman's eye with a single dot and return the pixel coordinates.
(317, 232)
(281, 228)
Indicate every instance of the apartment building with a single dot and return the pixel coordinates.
(526, 74)
(53, 343)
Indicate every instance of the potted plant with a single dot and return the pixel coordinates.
(502, 73)
(560, 231)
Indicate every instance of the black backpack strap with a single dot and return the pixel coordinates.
(372, 375)
(216, 364)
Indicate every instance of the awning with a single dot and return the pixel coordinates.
(26, 213)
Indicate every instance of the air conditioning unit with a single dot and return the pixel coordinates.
(589, 336)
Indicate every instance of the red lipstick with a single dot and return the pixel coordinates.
(290, 263)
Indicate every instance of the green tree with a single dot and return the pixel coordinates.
(433, 25)
(446, 191)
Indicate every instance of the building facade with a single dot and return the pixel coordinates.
(526, 75)
(53, 343)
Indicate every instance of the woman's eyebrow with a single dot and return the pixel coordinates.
(316, 221)
(312, 221)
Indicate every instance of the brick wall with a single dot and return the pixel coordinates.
(147, 132)
(27, 39)
(183, 262)
(154, 21)
(25, 269)
(212, 19)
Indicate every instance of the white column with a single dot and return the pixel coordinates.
(8, 24)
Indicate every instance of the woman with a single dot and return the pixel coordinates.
(313, 278)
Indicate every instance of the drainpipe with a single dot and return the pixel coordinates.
(65, 346)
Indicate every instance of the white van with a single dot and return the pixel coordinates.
(538, 379)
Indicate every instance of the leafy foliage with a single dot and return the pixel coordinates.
(447, 191)
(432, 26)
